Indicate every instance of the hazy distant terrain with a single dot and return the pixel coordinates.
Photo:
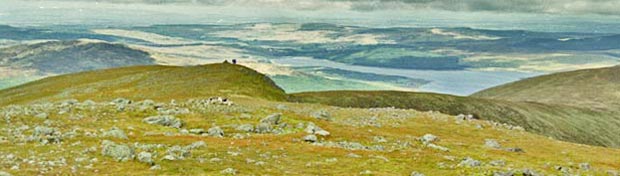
(417, 56)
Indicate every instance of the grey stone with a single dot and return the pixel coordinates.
(2, 173)
(215, 131)
(115, 133)
(470, 162)
(507, 173)
(42, 116)
(229, 171)
(272, 119)
(313, 129)
(497, 163)
(530, 172)
(119, 152)
(311, 138)
(196, 145)
(263, 128)
(414, 173)
(245, 128)
(43, 131)
(156, 167)
(437, 147)
(429, 138)
(492, 143)
(164, 120)
(322, 115)
(146, 157)
(197, 131)
(177, 153)
(514, 149)
(584, 166)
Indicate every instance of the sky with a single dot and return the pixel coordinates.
(540, 15)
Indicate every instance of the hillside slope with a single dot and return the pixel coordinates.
(153, 82)
(591, 88)
(562, 122)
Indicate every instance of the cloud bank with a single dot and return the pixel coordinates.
(573, 7)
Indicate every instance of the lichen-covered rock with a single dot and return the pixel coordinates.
(120, 152)
(229, 171)
(470, 162)
(263, 128)
(245, 128)
(215, 131)
(146, 157)
(491, 143)
(115, 133)
(429, 138)
(314, 129)
(42, 116)
(164, 120)
(321, 115)
(272, 119)
(311, 138)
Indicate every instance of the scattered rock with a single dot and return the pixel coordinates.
(272, 119)
(429, 138)
(321, 115)
(530, 172)
(164, 120)
(492, 143)
(507, 173)
(116, 133)
(196, 145)
(514, 149)
(215, 131)
(584, 166)
(197, 131)
(470, 162)
(311, 138)
(437, 147)
(156, 167)
(414, 173)
(366, 172)
(498, 163)
(313, 129)
(42, 116)
(146, 157)
(2, 173)
(353, 155)
(229, 171)
(465, 117)
(263, 128)
(245, 128)
(119, 152)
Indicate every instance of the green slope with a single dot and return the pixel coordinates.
(591, 88)
(562, 122)
(152, 82)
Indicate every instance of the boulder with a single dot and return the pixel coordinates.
(245, 128)
(215, 132)
(229, 171)
(314, 129)
(42, 116)
(492, 143)
(414, 173)
(272, 119)
(196, 131)
(470, 162)
(115, 133)
(164, 120)
(263, 128)
(146, 157)
(321, 115)
(311, 138)
(119, 152)
(429, 138)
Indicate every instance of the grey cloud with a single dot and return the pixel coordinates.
(602, 7)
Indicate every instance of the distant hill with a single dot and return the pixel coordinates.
(562, 122)
(59, 57)
(591, 88)
(148, 82)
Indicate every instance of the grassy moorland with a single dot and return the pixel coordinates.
(44, 132)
